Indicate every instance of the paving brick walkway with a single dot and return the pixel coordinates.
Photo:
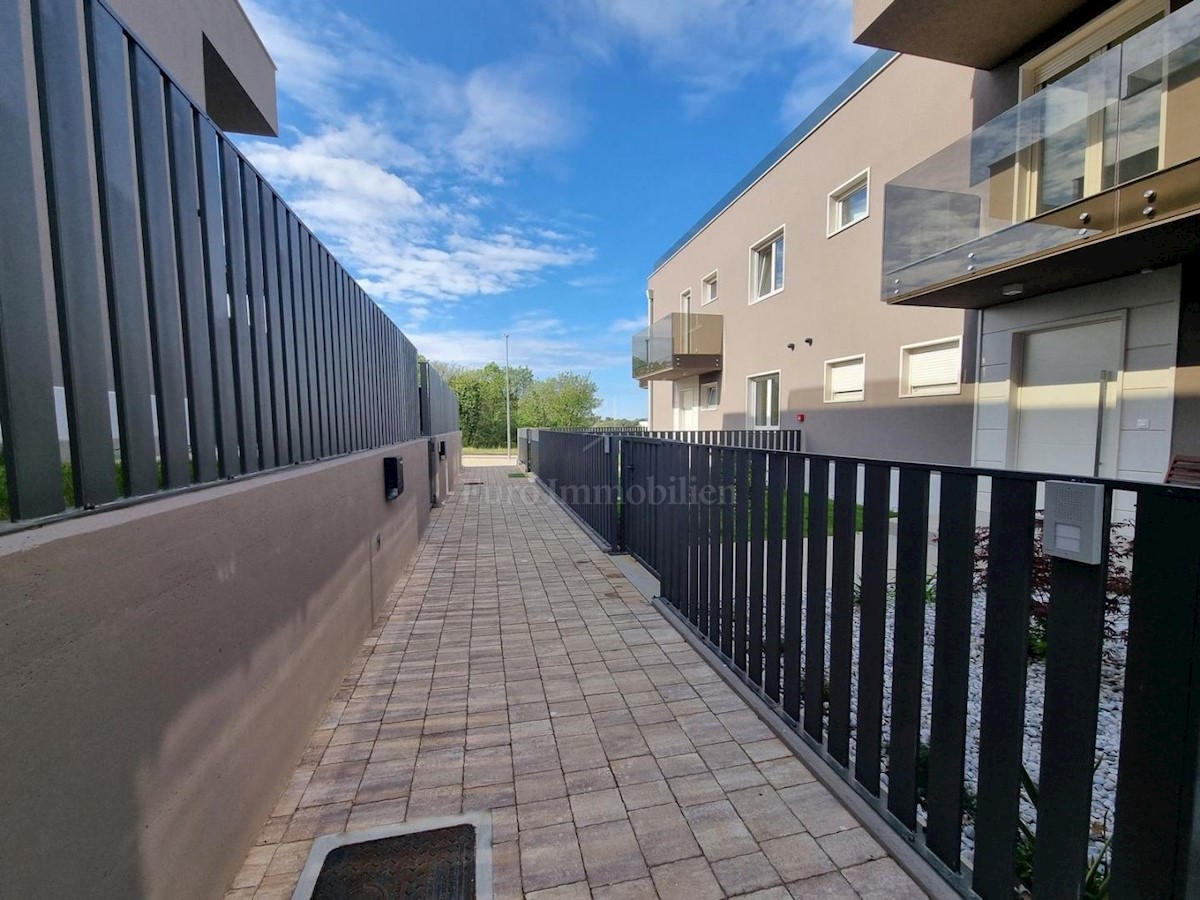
(521, 673)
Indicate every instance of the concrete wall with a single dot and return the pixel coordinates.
(233, 93)
(832, 284)
(163, 666)
(448, 470)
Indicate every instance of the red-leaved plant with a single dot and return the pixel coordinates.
(1120, 573)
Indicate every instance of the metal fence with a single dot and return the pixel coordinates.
(439, 403)
(193, 327)
(819, 602)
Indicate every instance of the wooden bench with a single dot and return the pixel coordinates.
(1184, 470)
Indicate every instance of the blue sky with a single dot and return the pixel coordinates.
(485, 166)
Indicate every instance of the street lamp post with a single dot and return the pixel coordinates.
(507, 406)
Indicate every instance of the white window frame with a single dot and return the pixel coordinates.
(830, 364)
(906, 354)
(1084, 43)
(838, 196)
(1095, 35)
(685, 301)
(710, 279)
(755, 249)
(704, 386)
(750, 408)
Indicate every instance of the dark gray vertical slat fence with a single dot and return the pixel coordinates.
(722, 566)
(182, 286)
(220, 303)
(199, 336)
(908, 647)
(1156, 841)
(75, 244)
(817, 530)
(239, 316)
(872, 625)
(125, 268)
(276, 385)
(1002, 727)
(264, 431)
(27, 418)
(162, 279)
(841, 609)
(1074, 640)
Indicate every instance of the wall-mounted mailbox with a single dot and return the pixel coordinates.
(1074, 521)
(393, 477)
(441, 449)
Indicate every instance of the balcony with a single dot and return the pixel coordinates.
(677, 346)
(1095, 176)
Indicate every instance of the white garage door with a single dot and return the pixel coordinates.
(1067, 420)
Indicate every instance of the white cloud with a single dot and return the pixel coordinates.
(393, 171)
(711, 47)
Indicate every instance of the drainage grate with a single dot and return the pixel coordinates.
(426, 864)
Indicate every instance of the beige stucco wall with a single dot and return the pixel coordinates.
(175, 31)
(911, 110)
(162, 668)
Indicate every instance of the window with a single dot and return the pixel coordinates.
(710, 393)
(763, 410)
(845, 379)
(930, 368)
(1083, 153)
(685, 302)
(766, 267)
(708, 292)
(849, 203)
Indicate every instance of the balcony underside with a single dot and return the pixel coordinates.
(976, 33)
(683, 365)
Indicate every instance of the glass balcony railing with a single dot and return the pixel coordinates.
(1042, 175)
(678, 345)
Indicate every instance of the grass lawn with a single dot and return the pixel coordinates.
(488, 451)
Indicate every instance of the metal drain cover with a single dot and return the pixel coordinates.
(435, 860)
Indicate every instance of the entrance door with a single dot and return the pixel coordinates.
(1067, 400)
(687, 416)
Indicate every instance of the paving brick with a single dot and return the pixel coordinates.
(851, 847)
(611, 853)
(663, 833)
(517, 670)
(797, 856)
(882, 879)
(743, 874)
(719, 831)
(831, 886)
(597, 806)
(541, 813)
(550, 857)
(765, 814)
(689, 879)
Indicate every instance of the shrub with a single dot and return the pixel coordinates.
(1117, 585)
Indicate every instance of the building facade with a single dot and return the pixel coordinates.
(214, 51)
(977, 251)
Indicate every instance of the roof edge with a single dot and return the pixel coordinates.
(872, 66)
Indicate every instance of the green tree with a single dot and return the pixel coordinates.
(481, 399)
(566, 400)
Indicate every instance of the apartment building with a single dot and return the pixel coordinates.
(214, 51)
(981, 249)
